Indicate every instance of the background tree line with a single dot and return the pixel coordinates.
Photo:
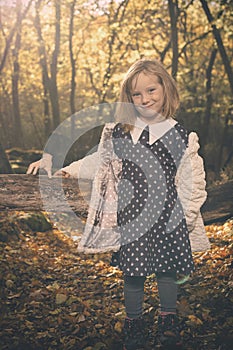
(58, 57)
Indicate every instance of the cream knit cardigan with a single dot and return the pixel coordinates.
(101, 233)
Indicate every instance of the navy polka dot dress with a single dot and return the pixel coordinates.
(154, 235)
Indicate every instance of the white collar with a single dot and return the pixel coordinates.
(156, 130)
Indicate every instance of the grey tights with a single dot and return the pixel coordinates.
(134, 293)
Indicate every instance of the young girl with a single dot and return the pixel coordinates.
(148, 188)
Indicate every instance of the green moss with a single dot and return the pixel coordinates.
(35, 221)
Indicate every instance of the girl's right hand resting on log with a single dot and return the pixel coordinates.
(44, 163)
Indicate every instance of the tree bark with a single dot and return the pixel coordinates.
(11, 35)
(219, 42)
(230, 156)
(23, 192)
(73, 68)
(18, 131)
(72, 59)
(53, 67)
(174, 13)
(44, 67)
(218, 159)
(219, 203)
(5, 167)
(47, 121)
(209, 99)
(49, 82)
(229, 72)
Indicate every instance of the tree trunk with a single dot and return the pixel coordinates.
(229, 72)
(174, 13)
(47, 122)
(219, 42)
(73, 68)
(230, 155)
(49, 83)
(209, 99)
(18, 132)
(72, 59)
(218, 159)
(53, 67)
(37, 130)
(23, 192)
(5, 130)
(44, 67)
(12, 33)
(5, 167)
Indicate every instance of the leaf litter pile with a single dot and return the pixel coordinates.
(53, 297)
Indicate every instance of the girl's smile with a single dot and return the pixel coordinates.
(148, 96)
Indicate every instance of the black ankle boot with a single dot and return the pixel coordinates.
(168, 331)
(134, 337)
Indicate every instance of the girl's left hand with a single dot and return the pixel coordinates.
(61, 173)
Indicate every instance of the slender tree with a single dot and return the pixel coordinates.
(219, 41)
(174, 14)
(10, 37)
(209, 98)
(47, 121)
(229, 72)
(72, 58)
(4, 162)
(53, 66)
(18, 132)
(50, 82)
(219, 157)
(44, 68)
(5, 167)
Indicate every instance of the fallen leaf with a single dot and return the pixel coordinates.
(195, 320)
(118, 327)
(61, 298)
(81, 318)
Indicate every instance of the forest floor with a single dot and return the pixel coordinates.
(55, 298)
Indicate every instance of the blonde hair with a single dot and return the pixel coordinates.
(125, 112)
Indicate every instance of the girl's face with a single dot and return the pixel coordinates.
(148, 96)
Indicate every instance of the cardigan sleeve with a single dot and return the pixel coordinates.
(84, 168)
(190, 181)
(87, 167)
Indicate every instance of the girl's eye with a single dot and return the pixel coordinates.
(135, 94)
(151, 90)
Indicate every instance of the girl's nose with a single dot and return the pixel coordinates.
(145, 98)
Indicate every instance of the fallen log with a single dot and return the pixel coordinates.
(219, 203)
(39, 193)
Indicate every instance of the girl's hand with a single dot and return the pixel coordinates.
(44, 163)
(62, 173)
